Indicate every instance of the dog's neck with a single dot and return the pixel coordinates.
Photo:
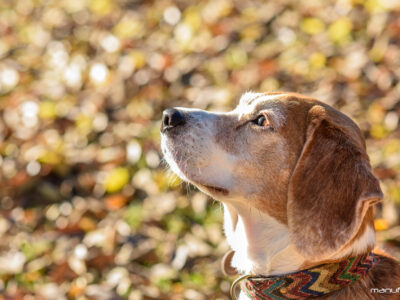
(262, 244)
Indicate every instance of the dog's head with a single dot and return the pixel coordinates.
(297, 159)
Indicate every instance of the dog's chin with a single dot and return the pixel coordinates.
(215, 191)
(212, 190)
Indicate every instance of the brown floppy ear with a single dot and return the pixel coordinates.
(332, 185)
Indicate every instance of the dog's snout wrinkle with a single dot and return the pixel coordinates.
(171, 118)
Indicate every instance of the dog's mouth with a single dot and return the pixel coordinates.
(216, 189)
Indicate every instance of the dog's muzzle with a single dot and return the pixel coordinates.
(171, 118)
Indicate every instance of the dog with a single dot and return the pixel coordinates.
(294, 178)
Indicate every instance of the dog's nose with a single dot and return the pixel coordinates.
(172, 118)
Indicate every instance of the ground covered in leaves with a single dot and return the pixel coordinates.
(87, 207)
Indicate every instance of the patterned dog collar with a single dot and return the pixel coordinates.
(314, 282)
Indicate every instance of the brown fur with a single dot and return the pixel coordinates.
(335, 159)
(332, 185)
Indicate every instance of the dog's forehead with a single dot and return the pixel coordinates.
(251, 103)
(251, 98)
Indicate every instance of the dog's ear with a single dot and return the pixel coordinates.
(332, 185)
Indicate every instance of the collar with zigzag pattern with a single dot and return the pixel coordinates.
(314, 282)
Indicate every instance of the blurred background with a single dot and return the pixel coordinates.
(88, 209)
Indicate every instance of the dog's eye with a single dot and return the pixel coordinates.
(261, 121)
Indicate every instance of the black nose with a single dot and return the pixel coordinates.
(172, 118)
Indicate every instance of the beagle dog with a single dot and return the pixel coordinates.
(294, 178)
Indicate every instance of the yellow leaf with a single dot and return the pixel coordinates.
(376, 113)
(116, 180)
(138, 58)
(392, 147)
(129, 28)
(312, 25)
(317, 60)
(236, 58)
(378, 131)
(166, 180)
(394, 193)
(50, 158)
(381, 224)
(192, 18)
(374, 6)
(101, 7)
(378, 51)
(83, 123)
(47, 110)
(339, 31)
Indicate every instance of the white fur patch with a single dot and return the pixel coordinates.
(170, 159)
(250, 101)
(359, 246)
(260, 242)
(248, 97)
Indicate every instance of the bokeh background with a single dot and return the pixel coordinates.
(88, 209)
